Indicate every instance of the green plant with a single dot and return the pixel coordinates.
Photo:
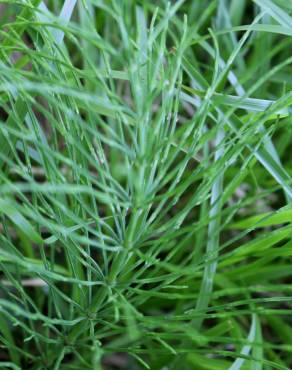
(145, 184)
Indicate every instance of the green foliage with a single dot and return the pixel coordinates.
(145, 184)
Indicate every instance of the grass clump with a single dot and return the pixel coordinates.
(145, 184)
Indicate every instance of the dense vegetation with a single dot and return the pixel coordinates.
(145, 184)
